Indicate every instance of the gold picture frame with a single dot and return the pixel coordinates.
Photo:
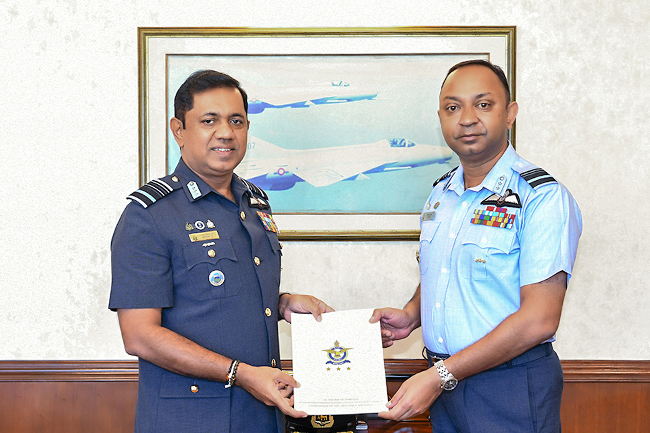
(158, 48)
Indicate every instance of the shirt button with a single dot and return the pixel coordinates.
(268, 312)
(464, 204)
(242, 215)
(437, 304)
(452, 235)
(257, 261)
(211, 253)
(444, 270)
(440, 340)
(273, 363)
(194, 389)
(175, 179)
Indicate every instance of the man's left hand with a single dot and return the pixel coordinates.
(415, 396)
(304, 304)
(271, 386)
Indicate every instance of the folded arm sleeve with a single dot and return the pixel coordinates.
(549, 237)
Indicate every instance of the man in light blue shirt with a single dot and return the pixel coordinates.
(498, 241)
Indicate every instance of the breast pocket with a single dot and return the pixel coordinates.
(484, 252)
(427, 230)
(213, 269)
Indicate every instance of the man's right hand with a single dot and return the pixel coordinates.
(395, 324)
(271, 386)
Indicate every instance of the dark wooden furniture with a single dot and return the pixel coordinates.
(99, 396)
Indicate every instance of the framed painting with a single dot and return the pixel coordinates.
(344, 134)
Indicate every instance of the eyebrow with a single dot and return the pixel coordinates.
(213, 114)
(479, 96)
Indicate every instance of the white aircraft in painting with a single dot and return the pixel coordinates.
(274, 168)
(336, 92)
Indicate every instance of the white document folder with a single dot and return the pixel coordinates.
(339, 363)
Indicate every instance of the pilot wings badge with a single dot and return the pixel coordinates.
(337, 355)
(508, 199)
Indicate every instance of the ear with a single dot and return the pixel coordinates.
(177, 129)
(512, 110)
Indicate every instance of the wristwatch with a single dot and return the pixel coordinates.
(447, 380)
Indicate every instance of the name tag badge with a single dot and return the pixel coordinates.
(204, 236)
(428, 216)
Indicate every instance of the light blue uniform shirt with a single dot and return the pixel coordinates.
(472, 270)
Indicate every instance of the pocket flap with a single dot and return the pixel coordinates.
(196, 253)
(491, 237)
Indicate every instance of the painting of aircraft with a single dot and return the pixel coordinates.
(337, 92)
(274, 168)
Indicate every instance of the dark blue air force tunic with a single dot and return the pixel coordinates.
(213, 266)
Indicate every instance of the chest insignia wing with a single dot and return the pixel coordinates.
(509, 199)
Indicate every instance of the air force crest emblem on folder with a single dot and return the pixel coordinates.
(337, 355)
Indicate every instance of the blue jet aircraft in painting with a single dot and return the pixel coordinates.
(275, 169)
(336, 92)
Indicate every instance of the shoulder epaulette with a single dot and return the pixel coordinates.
(153, 191)
(254, 188)
(445, 176)
(537, 177)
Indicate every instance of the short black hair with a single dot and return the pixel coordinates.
(201, 81)
(496, 69)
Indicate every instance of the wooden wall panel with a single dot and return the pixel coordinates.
(67, 396)
(100, 396)
(606, 407)
(67, 407)
(606, 397)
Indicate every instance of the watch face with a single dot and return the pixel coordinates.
(450, 384)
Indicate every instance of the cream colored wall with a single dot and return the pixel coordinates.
(69, 152)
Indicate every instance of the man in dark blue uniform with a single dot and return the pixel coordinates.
(498, 242)
(196, 274)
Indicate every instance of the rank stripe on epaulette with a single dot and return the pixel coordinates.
(254, 188)
(156, 188)
(141, 197)
(158, 183)
(444, 176)
(150, 192)
(537, 177)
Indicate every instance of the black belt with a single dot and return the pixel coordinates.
(531, 354)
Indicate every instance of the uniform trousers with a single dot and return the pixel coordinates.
(521, 396)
